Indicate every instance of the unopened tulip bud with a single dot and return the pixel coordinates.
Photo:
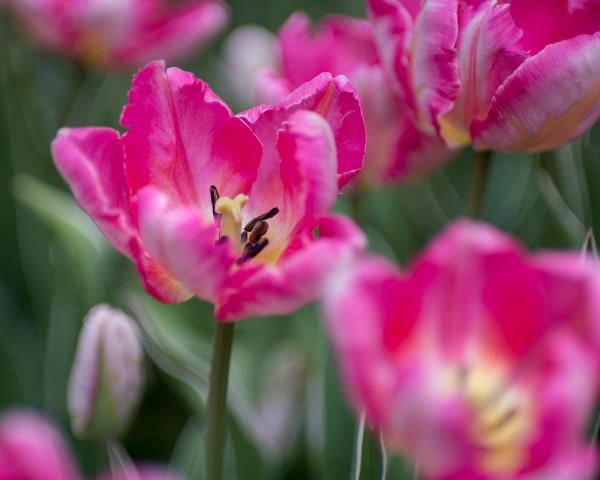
(107, 375)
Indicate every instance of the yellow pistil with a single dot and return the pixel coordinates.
(501, 419)
(231, 217)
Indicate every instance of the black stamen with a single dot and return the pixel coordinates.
(259, 230)
(244, 236)
(251, 250)
(214, 196)
(265, 216)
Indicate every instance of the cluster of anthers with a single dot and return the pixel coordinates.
(251, 239)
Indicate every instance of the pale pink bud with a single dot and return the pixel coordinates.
(107, 375)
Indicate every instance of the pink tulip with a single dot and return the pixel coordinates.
(511, 75)
(118, 33)
(481, 362)
(396, 148)
(220, 206)
(32, 449)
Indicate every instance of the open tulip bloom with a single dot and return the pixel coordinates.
(481, 362)
(230, 208)
(397, 148)
(120, 33)
(510, 75)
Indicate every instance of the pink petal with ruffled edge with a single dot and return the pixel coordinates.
(308, 167)
(182, 139)
(185, 249)
(334, 99)
(91, 161)
(294, 280)
(488, 53)
(434, 66)
(175, 34)
(551, 99)
(393, 22)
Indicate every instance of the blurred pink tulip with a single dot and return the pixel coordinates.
(120, 33)
(510, 75)
(32, 449)
(220, 206)
(481, 362)
(396, 148)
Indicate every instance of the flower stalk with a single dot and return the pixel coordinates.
(216, 408)
(479, 176)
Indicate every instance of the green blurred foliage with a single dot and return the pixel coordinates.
(56, 266)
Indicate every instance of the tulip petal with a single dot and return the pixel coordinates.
(175, 34)
(488, 53)
(393, 22)
(332, 98)
(270, 87)
(434, 76)
(338, 45)
(182, 138)
(91, 161)
(308, 169)
(572, 284)
(373, 316)
(449, 279)
(182, 246)
(296, 279)
(552, 21)
(551, 99)
(416, 153)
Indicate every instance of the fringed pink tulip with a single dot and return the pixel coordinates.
(232, 209)
(510, 75)
(396, 148)
(481, 362)
(121, 33)
(32, 449)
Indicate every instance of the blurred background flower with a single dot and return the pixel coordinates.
(31, 448)
(480, 362)
(120, 33)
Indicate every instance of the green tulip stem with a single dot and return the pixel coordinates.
(216, 408)
(479, 177)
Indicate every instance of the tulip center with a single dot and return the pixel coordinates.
(250, 240)
(501, 418)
